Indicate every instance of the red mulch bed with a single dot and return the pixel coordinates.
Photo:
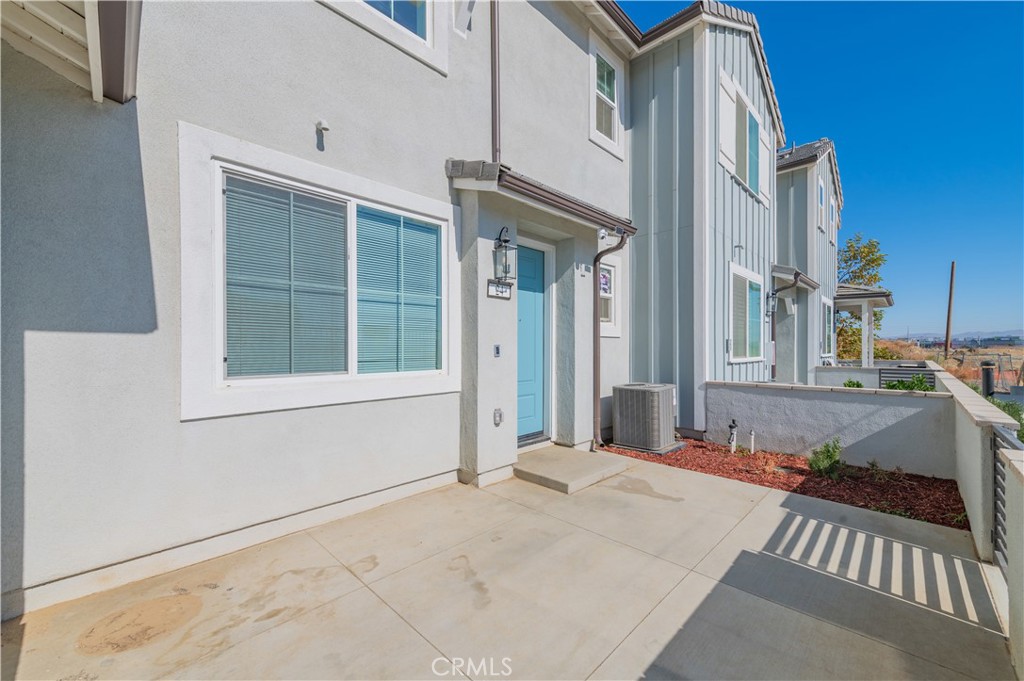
(932, 500)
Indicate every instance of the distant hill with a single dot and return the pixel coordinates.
(967, 335)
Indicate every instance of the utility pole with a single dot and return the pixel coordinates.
(949, 312)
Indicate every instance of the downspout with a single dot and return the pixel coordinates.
(495, 86)
(623, 236)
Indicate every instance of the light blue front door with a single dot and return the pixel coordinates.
(532, 330)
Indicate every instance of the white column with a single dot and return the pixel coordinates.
(867, 334)
(870, 335)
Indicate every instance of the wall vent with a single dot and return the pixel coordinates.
(643, 416)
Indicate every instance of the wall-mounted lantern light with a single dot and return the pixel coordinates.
(504, 258)
(773, 304)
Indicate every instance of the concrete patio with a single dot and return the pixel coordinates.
(654, 572)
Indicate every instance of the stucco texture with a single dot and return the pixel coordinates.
(914, 431)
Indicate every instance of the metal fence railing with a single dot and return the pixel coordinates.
(1002, 438)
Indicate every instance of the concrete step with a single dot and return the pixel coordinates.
(568, 470)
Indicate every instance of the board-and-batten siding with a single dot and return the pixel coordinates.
(825, 263)
(662, 182)
(669, 274)
(736, 217)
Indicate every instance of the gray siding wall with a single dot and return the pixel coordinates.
(662, 184)
(681, 257)
(825, 245)
(736, 217)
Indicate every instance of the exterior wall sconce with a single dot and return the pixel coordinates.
(773, 305)
(505, 261)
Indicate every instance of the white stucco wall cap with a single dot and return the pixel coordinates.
(1014, 460)
(981, 411)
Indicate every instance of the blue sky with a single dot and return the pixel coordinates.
(925, 102)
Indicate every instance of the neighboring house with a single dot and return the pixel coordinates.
(809, 205)
(706, 124)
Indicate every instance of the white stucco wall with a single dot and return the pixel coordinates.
(1014, 462)
(974, 418)
(546, 95)
(911, 430)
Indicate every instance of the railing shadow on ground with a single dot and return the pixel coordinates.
(845, 569)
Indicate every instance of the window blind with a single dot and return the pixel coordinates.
(286, 286)
(399, 293)
(739, 316)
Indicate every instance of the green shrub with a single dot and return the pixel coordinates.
(1015, 411)
(882, 352)
(850, 383)
(916, 382)
(825, 460)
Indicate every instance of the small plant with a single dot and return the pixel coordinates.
(958, 518)
(877, 473)
(825, 460)
(741, 450)
(915, 382)
(1014, 411)
(850, 383)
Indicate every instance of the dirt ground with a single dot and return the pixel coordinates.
(932, 500)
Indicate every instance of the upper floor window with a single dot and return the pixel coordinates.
(420, 28)
(605, 98)
(607, 120)
(821, 204)
(410, 14)
(744, 144)
(747, 320)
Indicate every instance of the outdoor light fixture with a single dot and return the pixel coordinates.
(504, 258)
(773, 303)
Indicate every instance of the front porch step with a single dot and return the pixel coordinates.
(567, 470)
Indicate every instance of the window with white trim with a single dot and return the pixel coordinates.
(419, 28)
(409, 14)
(744, 144)
(606, 291)
(287, 294)
(746, 342)
(304, 286)
(827, 327)
(607, 97)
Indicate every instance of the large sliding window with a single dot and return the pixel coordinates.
(746, 343)
(287, 297)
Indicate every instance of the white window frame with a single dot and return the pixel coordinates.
(617, 146)
(206, 392)
(613, 329)
(432, 51)
(762, 192)
(829, 352)
(756, 278)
